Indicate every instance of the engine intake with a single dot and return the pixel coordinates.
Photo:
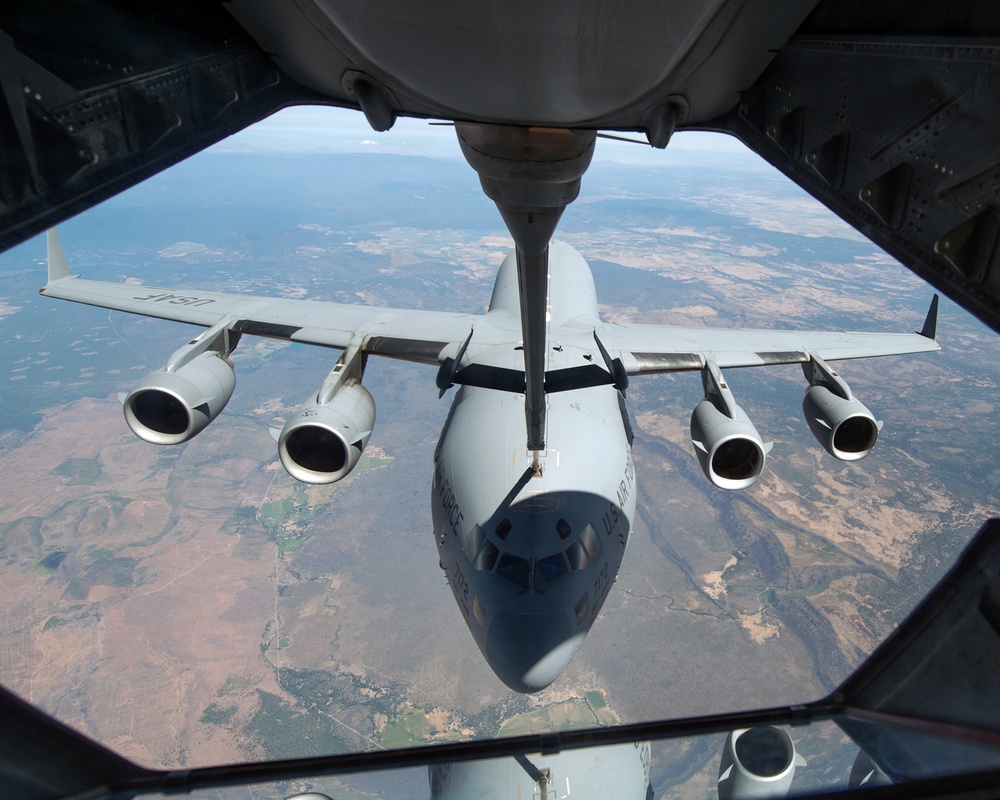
(757, 763)
(845, 427)
(729, 449)
(322, 442)
(171, 406)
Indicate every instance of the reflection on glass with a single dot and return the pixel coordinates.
(755, 763)
(473, 542)
(591, 542)
(478, 610)
(577, 556)
(549, 569)
(515, 569)
(487, 556)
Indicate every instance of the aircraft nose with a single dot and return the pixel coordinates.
(529, 651)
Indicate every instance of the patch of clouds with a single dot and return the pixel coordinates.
(319, 129)
(181, 249)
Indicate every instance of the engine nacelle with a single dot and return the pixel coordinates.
(729, 449)
(757, 763)
(171, 406)
(846, 428)
(322, 443)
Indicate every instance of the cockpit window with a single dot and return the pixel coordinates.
(577, 556)
(473, 543)
(549, 569)
(514, 569)
(478, 610)
(593, 544)
(487, 557)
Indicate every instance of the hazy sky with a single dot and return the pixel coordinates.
(315, 129)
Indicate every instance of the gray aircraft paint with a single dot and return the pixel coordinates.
(527, 626)
(530, 554)
(610, 772)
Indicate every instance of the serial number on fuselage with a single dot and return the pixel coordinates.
(602, 585)
(460, 588)
(176, 299)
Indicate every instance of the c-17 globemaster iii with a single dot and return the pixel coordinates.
(531, 540)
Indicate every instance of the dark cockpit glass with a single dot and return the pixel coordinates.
(473, 543)
(593, 544)
(487, 557)
(577, 556)
(479, 611)
(514, 569)
(549, 569)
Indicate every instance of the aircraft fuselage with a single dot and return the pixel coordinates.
(597, 773)
(529, 556)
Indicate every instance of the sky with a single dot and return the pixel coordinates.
(318, 129)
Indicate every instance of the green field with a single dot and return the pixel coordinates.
(283, 520)
(413, 727)
(394, 736)
(565, 716)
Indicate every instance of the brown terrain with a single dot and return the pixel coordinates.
(194, 605)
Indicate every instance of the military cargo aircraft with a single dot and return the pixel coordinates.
(530, 537)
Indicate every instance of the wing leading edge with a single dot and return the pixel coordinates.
(323, 440)
(429, 336)
(652, 349)
(410, 334)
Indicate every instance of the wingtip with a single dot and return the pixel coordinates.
(58, 266)
(929, 331)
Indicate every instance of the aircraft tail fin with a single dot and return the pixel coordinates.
(58, 266)
(929, 331)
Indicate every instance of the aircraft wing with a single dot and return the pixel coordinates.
(410, 334)
(649, 349)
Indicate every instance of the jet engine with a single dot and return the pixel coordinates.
(757, 763)
(839, 421)
(171, 405)
(846, 428)
(728, 447)
(323, 441)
